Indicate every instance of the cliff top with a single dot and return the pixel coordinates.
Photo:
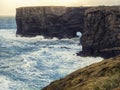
(97, 7)
(49, 7)
(41, 7)
(102, 8)
(104, 75)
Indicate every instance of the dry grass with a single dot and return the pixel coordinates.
(104, 75)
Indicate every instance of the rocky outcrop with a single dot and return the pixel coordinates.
(104, 75)
(55, 21)
(100, 26)
(101, 35)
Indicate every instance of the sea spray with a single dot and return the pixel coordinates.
(32, 63)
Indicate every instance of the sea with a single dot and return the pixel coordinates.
(33, 63)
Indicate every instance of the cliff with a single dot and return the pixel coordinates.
(61, 22)
(101, 35)
(104, 75)
(100, 26)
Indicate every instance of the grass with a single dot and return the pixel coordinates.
(104, 75)
(108, 83)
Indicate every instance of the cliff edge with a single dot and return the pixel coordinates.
(104, 75)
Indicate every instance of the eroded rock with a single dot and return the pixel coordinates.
(61, 22)
(101, 35)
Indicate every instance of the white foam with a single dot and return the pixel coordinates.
(79, 34)
(39, 61)
(4, 83)
(28, 63)
(10, 35)
(7, 84)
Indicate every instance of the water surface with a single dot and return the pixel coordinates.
(32, 63)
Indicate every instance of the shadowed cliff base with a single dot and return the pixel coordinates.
(104, 75)
(50, 21)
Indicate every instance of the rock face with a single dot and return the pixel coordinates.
(58, 22)
(101, 35)
(100, 26)
(104, 75)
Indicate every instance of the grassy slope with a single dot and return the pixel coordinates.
(104, 75)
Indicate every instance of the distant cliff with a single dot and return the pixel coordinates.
(101, 35)
(61, 22)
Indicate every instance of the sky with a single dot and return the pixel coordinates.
(8, 7)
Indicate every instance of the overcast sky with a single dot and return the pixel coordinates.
(8, 7)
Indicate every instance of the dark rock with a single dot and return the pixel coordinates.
(100, 26)
(61, 22)
(101, 35)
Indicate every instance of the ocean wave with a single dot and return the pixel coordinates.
(32, 63)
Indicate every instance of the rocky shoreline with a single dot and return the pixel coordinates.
(100, 28)
(104, 75)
